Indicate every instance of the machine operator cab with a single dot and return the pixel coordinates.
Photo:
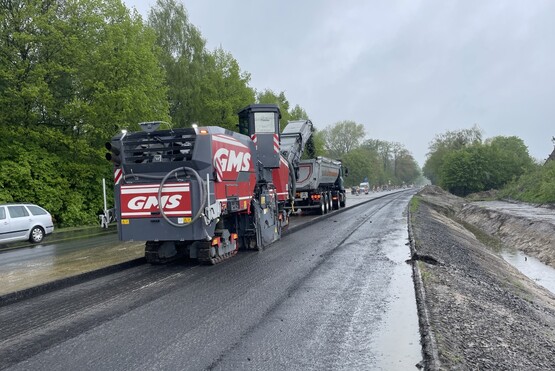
(261, 123)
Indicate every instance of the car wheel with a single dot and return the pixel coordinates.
(36, 235)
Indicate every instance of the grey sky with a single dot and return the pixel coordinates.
(407, 70)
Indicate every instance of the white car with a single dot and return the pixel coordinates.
(20, 222)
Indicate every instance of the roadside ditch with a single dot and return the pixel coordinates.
(476, 310)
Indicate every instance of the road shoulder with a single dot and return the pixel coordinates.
(482, 312)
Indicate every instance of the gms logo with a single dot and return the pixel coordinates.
(141, 200)
(147, 203)
(229, 160)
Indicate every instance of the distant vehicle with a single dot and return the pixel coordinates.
(20, 222)
(319, 185)
(364, 187)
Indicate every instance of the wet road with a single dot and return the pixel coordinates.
(77, 252)
(334, 295)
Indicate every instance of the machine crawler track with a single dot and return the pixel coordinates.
(205, 255)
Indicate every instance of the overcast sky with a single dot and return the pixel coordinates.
(406, 70)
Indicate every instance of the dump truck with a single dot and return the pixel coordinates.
(319, 186)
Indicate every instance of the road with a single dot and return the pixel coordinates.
(334, 295)
(67, 254)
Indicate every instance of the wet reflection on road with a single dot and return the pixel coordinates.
(33, 265)
(28, 267)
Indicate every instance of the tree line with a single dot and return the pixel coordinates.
(380, 163)
(75, 72)
(463, 162)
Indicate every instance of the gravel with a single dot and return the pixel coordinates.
(481, 313)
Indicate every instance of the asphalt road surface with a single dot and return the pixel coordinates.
(334, 295)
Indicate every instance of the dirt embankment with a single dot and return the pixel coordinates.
(481, 312)
(532, 232)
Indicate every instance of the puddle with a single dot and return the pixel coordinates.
(542, 274)
(399, 347)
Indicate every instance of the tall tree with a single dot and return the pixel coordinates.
(298, 113)
(184, 58)
(509, 159)
(84, 67)
(363, 163)
(445, 143)
(226, 91)
(343, 137)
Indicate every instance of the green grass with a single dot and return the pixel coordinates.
(424, 273)
(490, 241)
(414, 204)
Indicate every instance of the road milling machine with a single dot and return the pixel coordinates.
(205, 192)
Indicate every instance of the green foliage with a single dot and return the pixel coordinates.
(342, 137)
(53, 170)
(298, 113)
(445, 143)
(536, 185)
(414, 204)
(509, 160)
(84, 67)
(315, 145)
(187, 64)
(480, 167)
(363, 163)
(464, 171)
(227, 91)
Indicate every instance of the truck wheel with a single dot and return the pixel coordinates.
(343, 200)
(323, 207)
(330, 202)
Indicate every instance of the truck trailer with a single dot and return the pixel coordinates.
(319, 186)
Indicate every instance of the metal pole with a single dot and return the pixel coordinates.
(104, 192)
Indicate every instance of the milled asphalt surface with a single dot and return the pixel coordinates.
(69, 253)
(336, 295)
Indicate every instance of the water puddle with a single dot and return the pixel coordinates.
(534, 269)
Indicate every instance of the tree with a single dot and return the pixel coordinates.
(383, 150)
(363, 163)
(464, 171)
(445, 143)
(484, 166)
(342, 137)
(297, 113)
(184, 58)
(86, 68)
(509, 160)
(227, 91)
(72, 73)
(396, 163)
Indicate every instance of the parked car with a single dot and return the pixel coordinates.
(20, 222)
